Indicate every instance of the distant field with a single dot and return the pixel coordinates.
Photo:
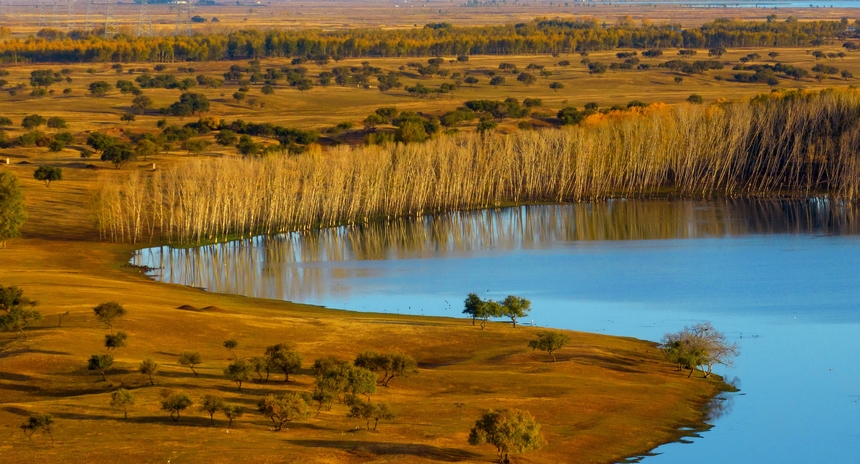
(340, 14)
(313, 109)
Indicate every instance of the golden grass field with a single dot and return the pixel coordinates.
(313, 109)
(608, 397)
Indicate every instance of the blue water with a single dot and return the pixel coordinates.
(780, 279)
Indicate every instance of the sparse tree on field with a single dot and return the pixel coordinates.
(515, 307)
(282, 358)
(100, 363)
(12, 210)
(487, 310)
(549, 342)
(122, 398)
(232, 411)
(141, 103)
(118, 154)
(369, 411)
(239, 371)
(32, 121)
(108, 313)
(773, 55)
(17, 310)
(283, 408)
(226, 137)
(190, 359)
(175, 404)
(60, 317)
(360, 381)
(145, 148)
(56, 122)
(509, 430)
(48, 174)
(390, 365)
(39, 422)
(679, 79)
(148, 368)
(231, 346)
(127, 118)
(471, 306)
(699, 346)
(497, 81)
(212, 404)
(114, 341)
(556, 86)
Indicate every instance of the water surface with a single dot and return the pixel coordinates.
(779, 277)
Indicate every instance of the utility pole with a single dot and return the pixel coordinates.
(183, 17)
(144, 22)
(111, 24)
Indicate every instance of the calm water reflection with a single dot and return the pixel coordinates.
(779, 277)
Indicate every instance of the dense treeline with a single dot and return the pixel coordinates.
(789, 143)
(538, 36)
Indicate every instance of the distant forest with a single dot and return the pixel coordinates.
(541, 36)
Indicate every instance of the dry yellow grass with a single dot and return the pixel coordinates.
(609, 397)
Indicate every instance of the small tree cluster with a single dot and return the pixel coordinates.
(700, 346)
(513, 307)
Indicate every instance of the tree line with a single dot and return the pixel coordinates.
(538, 36)
(785, 143)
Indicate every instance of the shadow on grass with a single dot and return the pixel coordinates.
(184, 421)
(607, 362)
(368, 449)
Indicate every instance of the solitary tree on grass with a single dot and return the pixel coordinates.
(122, 398)
(148, 368)
(100, 363)
(48, 174)
(283, 408)
(16, 310)
(212, 404)
(282, 358)
(39, 422)
(175, 403)
(239, 372)
(231, 345)
(549, 342)
(108, 313)
(509, 430)
(232, 411)
(471, 305)
(12, 210)
(190, 359)
(114, 341)
(515, 307)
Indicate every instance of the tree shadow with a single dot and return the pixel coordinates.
(184, 421)
(371, 449)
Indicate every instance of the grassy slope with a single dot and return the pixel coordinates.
(608, 397)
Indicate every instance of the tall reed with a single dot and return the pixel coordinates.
(785, 144)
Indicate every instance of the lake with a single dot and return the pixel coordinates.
(778, 277)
